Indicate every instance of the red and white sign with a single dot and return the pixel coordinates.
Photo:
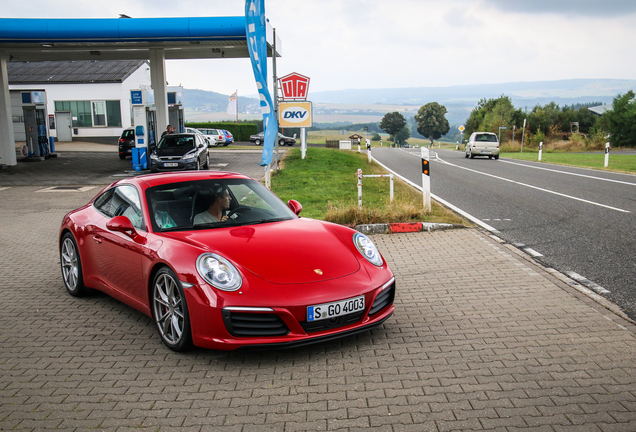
(294, 86)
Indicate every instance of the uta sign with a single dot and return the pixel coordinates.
(294, 86)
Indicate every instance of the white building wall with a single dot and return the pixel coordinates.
(94, 92)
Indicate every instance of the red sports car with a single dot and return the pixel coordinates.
(219, 261)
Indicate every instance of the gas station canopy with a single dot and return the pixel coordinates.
(26, 39)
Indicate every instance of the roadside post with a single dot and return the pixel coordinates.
(426, 179)
(500, 128)
(461, 135)
(523, 134)
(370, 158)
(607, 146)
(540, 150)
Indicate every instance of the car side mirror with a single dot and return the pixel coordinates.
(295, 206)
(123, 225)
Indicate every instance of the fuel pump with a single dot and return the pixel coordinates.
(144, 121)
(175, 108)
(35, 123)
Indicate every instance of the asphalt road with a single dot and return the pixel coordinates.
(572, 219)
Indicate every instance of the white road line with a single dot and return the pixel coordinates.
(568, 173)
(588, 283)
(536, 187)
(445, 203)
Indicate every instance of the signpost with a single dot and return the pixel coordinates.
(461, 139)
(294, 87)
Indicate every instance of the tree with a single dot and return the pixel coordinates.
(621, 120)
(403, 135)
(392, 123)
(431, 121)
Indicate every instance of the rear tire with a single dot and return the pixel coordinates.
(257, 142)
(472, 156)
(122, 156)
(497, 157)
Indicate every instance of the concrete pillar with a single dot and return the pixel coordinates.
(7, 138)
(160, 88)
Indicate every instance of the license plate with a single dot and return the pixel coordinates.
(335, 309)
(170, 164)
(485, 152)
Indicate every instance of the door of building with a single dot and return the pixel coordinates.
(63, 126)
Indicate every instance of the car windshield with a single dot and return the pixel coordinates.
(187, 206)
(176, 142)
(128, 134)
(486, 137)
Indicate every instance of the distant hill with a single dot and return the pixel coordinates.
(208, 101)
(370, 105)
(563, 92)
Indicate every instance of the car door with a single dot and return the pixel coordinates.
(117, 256)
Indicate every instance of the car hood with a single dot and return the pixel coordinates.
(294, 251)
(172, 151)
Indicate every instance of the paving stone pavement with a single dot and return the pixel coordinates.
(482, 339)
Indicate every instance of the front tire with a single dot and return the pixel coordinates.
(71, 266)
(207, 162)
(281, 143)
(170, 311)
(257, 142)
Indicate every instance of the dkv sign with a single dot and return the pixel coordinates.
(294, 114)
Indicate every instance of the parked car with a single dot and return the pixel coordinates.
(229, 138)
(197, 132)
(259, 276)
(215, 136)
(178, 152)
(282, 139)
(482, 144)
(126, 143)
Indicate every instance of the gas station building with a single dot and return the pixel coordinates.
(147, 41)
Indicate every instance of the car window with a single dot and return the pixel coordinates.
(486, 137)
(176, 141)
(181, 202)
(122, 201)
(128, 134)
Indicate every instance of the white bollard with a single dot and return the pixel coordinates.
(540, 150)
(607, 146)
(426, 179)
(359, 174)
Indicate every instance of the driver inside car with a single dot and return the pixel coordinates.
(219, 202)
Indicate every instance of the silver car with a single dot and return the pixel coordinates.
(483, 144)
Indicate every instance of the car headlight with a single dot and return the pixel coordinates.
(189, 159)
(154, 157)
(367, 249)
(219, 272)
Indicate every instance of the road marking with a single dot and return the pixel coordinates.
(569, 173)
(588, 283)
(445, 203)
(532, 252)
(5, 188)
(536, 187)
(67, 189)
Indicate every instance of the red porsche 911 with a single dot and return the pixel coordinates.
(219, 261)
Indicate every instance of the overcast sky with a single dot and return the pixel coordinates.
(342, 44)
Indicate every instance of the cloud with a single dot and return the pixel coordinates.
(592, 8)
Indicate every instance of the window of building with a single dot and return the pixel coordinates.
(92, 113)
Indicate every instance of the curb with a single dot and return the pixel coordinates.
(407, 227)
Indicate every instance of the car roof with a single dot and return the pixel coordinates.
(151, 180)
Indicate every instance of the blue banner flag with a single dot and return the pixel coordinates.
(257, 45)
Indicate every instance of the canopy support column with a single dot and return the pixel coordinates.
(7, 140)
(159, 87)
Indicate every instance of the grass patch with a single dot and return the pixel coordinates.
(617, 162)
(325, 183)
